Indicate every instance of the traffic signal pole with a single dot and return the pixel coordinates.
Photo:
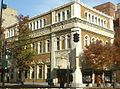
(1, 39)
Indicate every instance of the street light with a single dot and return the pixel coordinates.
(3, 6)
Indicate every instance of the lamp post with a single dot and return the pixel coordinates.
(3, 6)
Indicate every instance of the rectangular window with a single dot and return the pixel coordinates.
(32, 72)
(68, 14)
(99, 21)
(48, 46)
(93, 18)
(105, 23)
(37, 24)
(86, 15)
(63, 15)
(68, 41)
(33, 46)
(40, 23)
(96, 20)
(39, 47)
(48, 71)
(44, 22)
(26, 72)
(58, 43)
(89, 17)
(39, 71)
(58, 17)
(33, 25)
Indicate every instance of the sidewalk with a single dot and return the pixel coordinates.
(28, 85)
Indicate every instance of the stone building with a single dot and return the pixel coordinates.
(9, 17)
(57, 52)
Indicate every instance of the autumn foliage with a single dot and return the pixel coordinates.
(21, 49)
(117, 46)
(98, 56)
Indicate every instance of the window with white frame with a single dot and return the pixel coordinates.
(48, 70)
(89, 17)
(68, 41)
(105, 23)
(33, 25)
(39, 74)
(32, 72)
(37, 24)
(44, 22)
(33, 46)
(59, 17)
(40, 23)
(48, 46)
(98, 21)
(95, 20)
(39, 47)
(58, 43)
(102, 22)
(93, 40)
(86, 40)
(63, 15)
(86, 15)
(92, 18)
(68, 14)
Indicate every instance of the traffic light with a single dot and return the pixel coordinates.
(76, 37)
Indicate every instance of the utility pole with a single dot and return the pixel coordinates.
(3, 6)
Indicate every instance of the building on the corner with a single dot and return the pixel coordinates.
(56, 51)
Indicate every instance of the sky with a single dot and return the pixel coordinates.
(35, 7)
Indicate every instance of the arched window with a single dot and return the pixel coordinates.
(93, 40)
(86, 40)
(63, 15)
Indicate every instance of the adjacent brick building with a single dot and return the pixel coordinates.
(107, 8)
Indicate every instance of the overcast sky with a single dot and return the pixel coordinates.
(35, 7)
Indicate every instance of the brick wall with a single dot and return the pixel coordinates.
(107, 8)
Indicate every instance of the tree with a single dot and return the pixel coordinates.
(98, 56)
(21, 49)
(117, 46)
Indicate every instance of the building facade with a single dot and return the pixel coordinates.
(55, 49)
